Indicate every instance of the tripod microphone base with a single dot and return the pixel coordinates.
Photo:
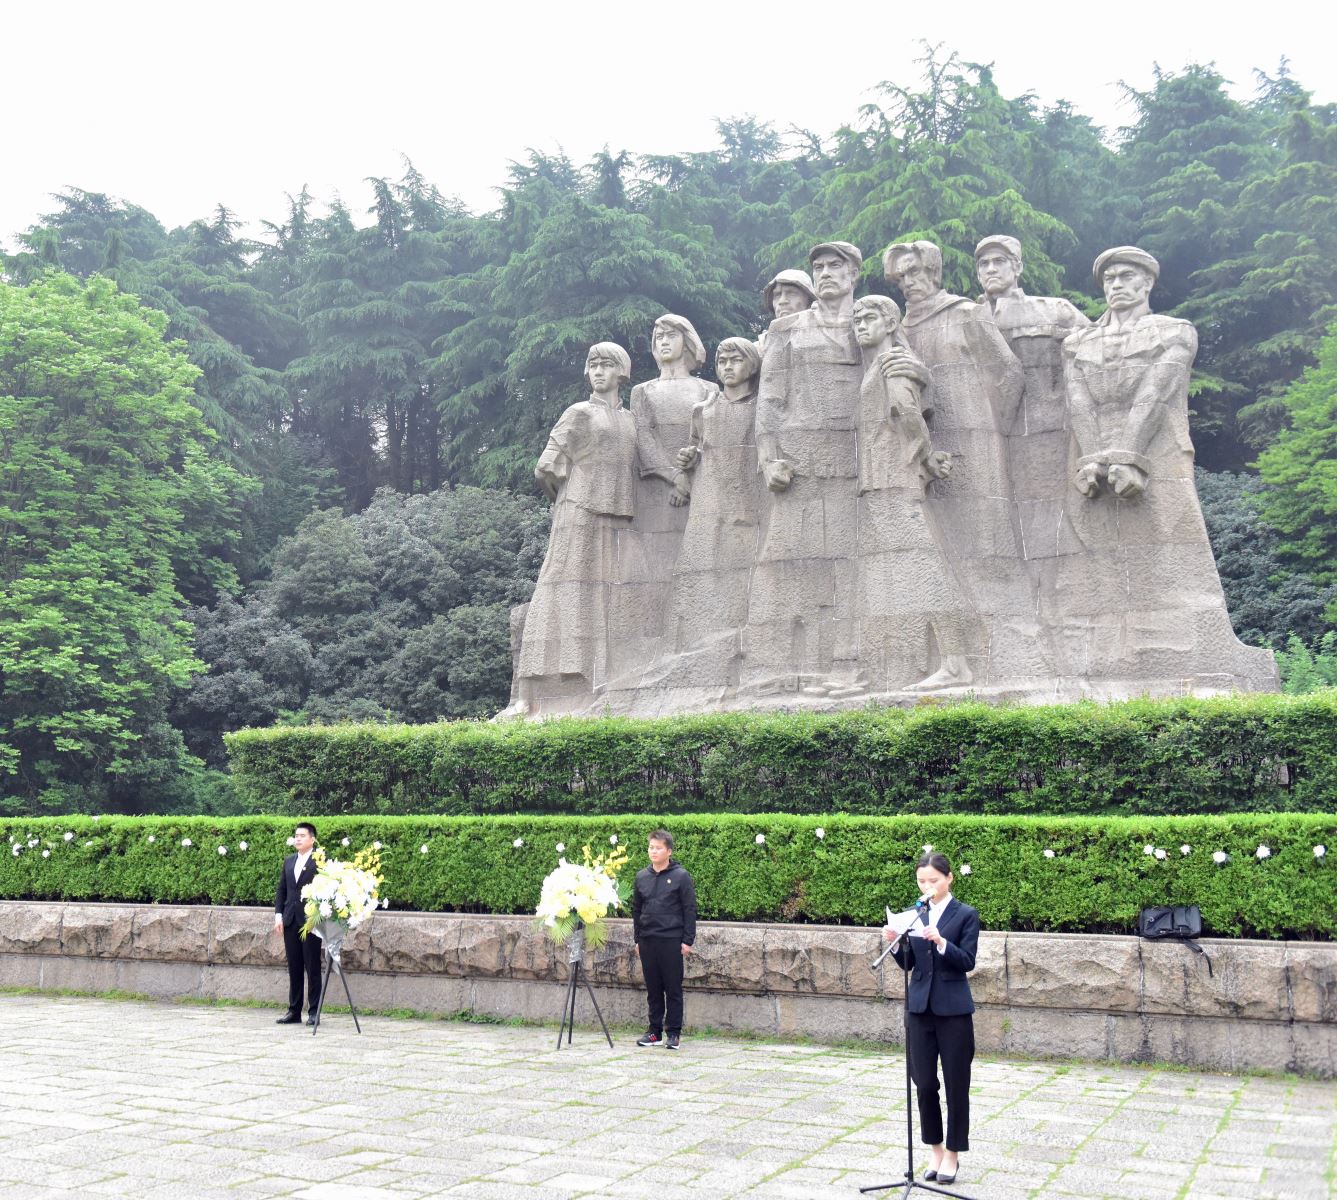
(910, 1184)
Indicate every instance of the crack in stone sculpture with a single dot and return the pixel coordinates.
(991, 498)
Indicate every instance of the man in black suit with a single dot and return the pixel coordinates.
(299, 869)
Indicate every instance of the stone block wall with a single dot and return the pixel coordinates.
(1268, 1005)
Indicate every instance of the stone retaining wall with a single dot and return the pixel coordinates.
(1268, 1005)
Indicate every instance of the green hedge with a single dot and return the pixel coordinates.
(1238, 754)
(1097, 879)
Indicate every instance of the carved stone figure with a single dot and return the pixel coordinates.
(788, 293)
(663, 411)
(589, 472)
(800, 612)
(1143, 601)
(719, 546)
(912, 611)
(975, 393)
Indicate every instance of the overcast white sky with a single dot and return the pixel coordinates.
(180, 106)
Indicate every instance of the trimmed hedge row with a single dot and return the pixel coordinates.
(1232, 754)
(1097, 879)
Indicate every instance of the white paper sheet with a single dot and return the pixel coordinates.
(909, 919)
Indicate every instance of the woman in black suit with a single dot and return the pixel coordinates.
(938, 1011)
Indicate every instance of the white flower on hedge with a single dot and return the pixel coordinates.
(345, 842)
(1148, 850)
(222, 849)
(1320, 851)
(14, 850)
(69, 837)
(243, 846)
(612, 840)
(965, 868)
(423, 848)
(291, 841)
(385, 901)
(152, 839)
(819, 833)
(88, 843)
(1185, 849)
(46, 853)
(1160, 854)
(760, 839)
(928, 847)
(518, 843)
(1048, 853)
(376, 845)
(187, 842)
(1262, 852)
(32, 841)
(561, 847)
(1219, 857)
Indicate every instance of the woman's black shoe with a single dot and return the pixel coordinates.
(930, 1175)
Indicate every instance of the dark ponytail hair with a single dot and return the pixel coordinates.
(939, 862)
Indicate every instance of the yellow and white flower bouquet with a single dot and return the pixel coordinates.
(343, 895)
(580, 895)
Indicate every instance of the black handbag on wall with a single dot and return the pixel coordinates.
(1183, 922)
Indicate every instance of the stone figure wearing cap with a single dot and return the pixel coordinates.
(1143, 601)
(589, 471)
(913, 616)
(800, 631)
(789, 292)
(974, 392)
(719, 546)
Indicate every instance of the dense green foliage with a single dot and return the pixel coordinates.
(346, 358)
(110, 498)
(1238, 754)
(1098, 878)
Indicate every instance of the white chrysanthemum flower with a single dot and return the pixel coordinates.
(1219, 856)
(612, 841)
(928, 847)
(292, 841)
(965, 868)
(243, 846)
(423, 848)
(1185, 849)
(819, 832)
(1048, 852)
(187, 842)
(69, 837)
(32, 841)
(46, 853)
(1320, 851)
(1160, 854)
(346, 842)
(561, 847)
(222, 849)
(14, 850)
(376, 845)
(760, 839)
(518, 843)
(1262, 852)
(152, 839)
(325, 909)
(1148, 850)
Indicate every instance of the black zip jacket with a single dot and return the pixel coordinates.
(664, 904)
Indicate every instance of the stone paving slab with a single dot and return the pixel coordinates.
(102, 1099)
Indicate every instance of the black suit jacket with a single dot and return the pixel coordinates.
(288, 898)
(938, 981)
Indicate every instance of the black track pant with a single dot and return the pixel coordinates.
(303, 958)
(661, 964)
(953, 1040)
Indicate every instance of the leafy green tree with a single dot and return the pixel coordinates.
(109, 494)
(1308, 668)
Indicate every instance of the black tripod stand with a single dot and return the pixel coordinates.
(568, 1025)
(332, 963)
(909, 1183)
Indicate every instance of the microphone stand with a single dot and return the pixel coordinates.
(909, 1183)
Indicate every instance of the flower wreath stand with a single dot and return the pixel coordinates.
(575, 956)
(332, 933)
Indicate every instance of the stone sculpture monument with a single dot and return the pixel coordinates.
(989, 498)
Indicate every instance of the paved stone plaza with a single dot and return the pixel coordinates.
(102, 1098)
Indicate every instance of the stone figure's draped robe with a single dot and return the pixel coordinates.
(572, 617)
(912, 611)
(1143, 599)
(800, 611)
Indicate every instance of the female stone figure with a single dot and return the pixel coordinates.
(912, 610)
(589, 472)
(720, 543)
(663, 411)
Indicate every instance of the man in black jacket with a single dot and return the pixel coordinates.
(663, 918)
(299, 869)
